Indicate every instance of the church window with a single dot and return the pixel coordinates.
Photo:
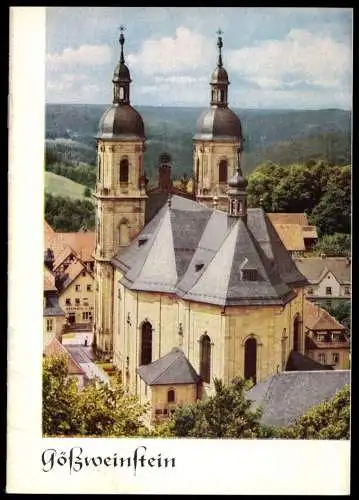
(122, 93)
(124, 170)
(197, 170)
(205, 358)
(146, 343)
(223, 167)
(296, 333)
(335, 357)
(249, 274)
(99, 167)
(250, 359)
(221, 93)
(171, 396)
(49, 325)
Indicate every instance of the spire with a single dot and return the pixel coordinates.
(121, 77)
(219, 80)
(122, 41)
(219, 45)
(237, 193)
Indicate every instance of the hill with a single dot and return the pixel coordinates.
(61, 186)
(269, 134)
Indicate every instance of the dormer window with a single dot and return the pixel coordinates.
(143, 239)
(198, 266)
(249, 274)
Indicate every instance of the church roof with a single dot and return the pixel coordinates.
(173, 368)
(199, 254)
(286, 396)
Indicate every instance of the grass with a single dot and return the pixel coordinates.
(58, 185)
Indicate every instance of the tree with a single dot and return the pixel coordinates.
(87, 192)
(97, 410)
(341, 310)
(226, 414)
(59, 398)
(334, 245)
(328, 420)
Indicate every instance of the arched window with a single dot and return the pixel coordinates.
(222, 95)
(197, 170)
(250, 359)
(205, 358)
(222, 174)
(171, 396)
(99, 168)
(296, 333)
(122, 93)
(124, 170)
(146, 343)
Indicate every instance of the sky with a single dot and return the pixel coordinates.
(276, 58)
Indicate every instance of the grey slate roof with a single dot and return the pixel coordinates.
(314, 268)
(298, 362)
(173, 368)
(197, 253)
(287, 396)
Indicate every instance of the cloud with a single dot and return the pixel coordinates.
(85, 55)
(185, 51)
(301, 57)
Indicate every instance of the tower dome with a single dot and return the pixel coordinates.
(121, 121)
(219, 122)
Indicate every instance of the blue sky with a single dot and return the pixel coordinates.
(298, 58)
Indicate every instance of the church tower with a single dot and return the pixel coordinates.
(217, 142)
(120, 193)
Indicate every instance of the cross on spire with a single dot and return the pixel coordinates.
(122, 41)
(220, 45)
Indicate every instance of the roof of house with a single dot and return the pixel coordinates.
(72, 272)
(198, 254)
(52, 306)
(291, 236)
(286, 218)
(173, 368)
(316, 318)
(82, 242)
(287, 396)
(299, 362)
(314, 268)
(55, 348)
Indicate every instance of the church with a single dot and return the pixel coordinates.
(188, 288)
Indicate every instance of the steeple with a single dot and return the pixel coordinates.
(237, 193)
(121, 77)
(219, 80)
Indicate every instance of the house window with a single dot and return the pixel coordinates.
(68, 302)
(165, 411)
(158, 411)
(223, 168)
(205, 358)
(328, 290)
(335, 358)
(85, 301)
(83, 273)
(171, 396)
(49, 325)
(124, 171)
(347, 290)
(321, 358)
(310, 291)
(85, 315)
(78, 288)
(77, 302)
(89, 288)
(146, 343)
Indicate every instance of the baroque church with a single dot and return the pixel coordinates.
(188, 287)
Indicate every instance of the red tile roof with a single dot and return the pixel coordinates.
(55, 348)
(316, 318)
